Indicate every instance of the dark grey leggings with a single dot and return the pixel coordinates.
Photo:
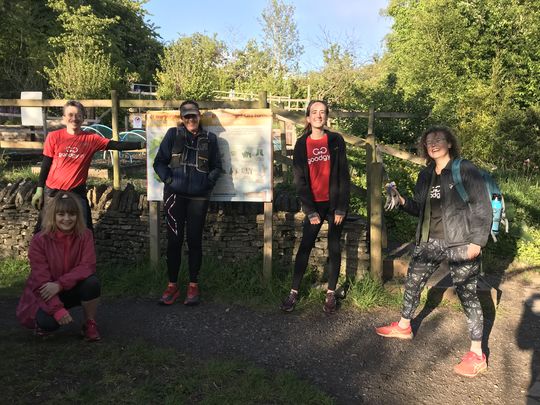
(425, 261)
(86, 290)
(309, 236)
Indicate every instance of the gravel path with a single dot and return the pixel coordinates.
(341, 354)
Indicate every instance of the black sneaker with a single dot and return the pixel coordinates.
(290, 302)
(330, 304)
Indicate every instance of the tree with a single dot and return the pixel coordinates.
(477, 60)
(281, 39)
(132, 44)
(82, 72)
(82, 63)
(190, 68)
(23, 45)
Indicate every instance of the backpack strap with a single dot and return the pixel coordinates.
(458, 182)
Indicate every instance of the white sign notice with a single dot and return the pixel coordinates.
(245, 146)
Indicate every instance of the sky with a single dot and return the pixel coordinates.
(356, 22)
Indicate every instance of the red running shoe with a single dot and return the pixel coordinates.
(471, 365)
(90, 331)
(170, 295)
(192, 297)
(394, 331)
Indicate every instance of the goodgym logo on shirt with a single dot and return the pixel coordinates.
(319, 155)
(71, 152)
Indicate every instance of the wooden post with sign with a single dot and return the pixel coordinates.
(153, 224)
(268, 209)
(114, 125)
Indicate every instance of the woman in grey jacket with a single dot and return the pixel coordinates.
(449, 229)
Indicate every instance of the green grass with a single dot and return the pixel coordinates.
(10, 175)
(13, 274)
(67, 370)
(241, 284)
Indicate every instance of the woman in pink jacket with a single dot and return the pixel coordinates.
(63, 265)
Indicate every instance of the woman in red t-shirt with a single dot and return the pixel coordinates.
(321, 176)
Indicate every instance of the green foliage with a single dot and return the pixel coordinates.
(81, 27)
(13, 274)
(80, 73)
(42, 31)
(281, 38)
(190, 68)
(250, 70)
(337, 82)
(23, 45)
(368, 293)
(470, 60)
(10, 175)
(69, 370)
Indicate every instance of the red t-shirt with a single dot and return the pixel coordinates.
(71, 155)
(318, 158)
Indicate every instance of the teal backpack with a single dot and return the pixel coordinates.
(493, 191)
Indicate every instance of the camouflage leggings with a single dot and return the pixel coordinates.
(426, 259)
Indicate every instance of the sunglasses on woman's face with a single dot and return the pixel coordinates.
(435, 142)
(190, 117)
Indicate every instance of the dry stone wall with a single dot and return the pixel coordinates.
(234, 231)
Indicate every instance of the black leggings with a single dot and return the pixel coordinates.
(183, 212)
(427, 257)
(86, 290)
(309, 237)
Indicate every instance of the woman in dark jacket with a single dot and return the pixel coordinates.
(449, 229)
(321, 176)
(189, 164)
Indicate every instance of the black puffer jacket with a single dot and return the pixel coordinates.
(340, 181)
(463, 223)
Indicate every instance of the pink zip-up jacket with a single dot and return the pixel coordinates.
(66, 259)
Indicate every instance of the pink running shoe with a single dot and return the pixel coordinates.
(193, 296)
(394, 331)
(170, 295)
(90, 331)
(471, 365)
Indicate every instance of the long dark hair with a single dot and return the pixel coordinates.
(449, 136)
(307, 126)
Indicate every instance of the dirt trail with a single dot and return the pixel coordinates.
(341, 354)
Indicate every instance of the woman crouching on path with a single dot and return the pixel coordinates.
(322, 179)
(449, 229)
(63, 265)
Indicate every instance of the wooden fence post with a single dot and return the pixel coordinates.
(115, 162)
(153, 224)
(268, 209)
(370, 153)
(375, 221)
